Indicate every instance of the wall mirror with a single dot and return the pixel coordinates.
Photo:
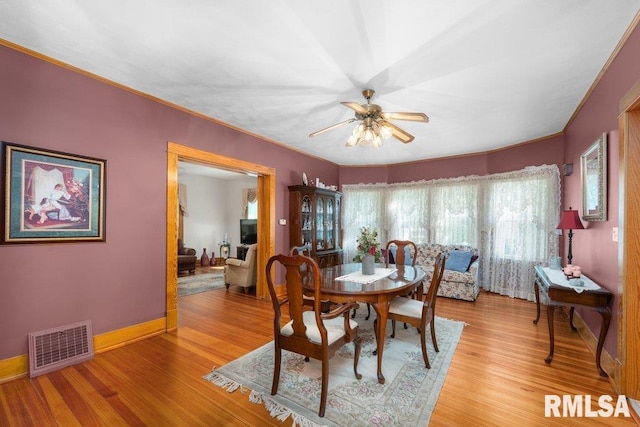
(593, 168)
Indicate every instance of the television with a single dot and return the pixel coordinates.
(248, 231)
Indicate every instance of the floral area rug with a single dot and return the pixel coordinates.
(407, 399)
(189, 285)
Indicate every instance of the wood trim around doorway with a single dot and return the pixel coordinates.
(266, 182)
(629, 245)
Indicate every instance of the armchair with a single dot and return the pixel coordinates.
(241, 273)
(186, 258)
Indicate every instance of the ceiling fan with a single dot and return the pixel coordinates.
(375, 125)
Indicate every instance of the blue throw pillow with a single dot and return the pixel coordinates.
(458, 261)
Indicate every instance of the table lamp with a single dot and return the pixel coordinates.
(570, 221)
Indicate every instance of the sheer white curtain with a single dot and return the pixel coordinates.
(454, 212)
(510, 218)
(362, 206)
(407, 213)
(521, 211)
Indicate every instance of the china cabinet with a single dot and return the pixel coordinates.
(314, 219)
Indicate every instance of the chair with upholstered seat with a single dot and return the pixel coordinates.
(242, 272)
(306, 251)
(400, 258)
(301, 250)
(310, 333)
(419, 312)
(404, 252)
(403, 248)
(186, 258)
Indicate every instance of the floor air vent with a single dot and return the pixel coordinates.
(56, 348)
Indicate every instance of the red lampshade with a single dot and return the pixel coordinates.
(570, 221)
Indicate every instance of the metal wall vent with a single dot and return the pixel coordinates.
(55, 348)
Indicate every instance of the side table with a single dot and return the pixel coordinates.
(558, 295)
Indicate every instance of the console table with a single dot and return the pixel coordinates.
(559, 292)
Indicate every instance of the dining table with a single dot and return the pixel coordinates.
(345, 283)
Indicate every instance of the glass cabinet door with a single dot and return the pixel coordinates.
(330, 243)
(336, 224)
(306, 220)
(320, 224)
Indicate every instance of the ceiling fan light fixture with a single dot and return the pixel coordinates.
(352, 141)
(374, 126)
(369, 135)
(385, 132)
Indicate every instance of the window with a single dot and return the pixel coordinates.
(407, 213)
(366, 209)
(250, 203)
(509, 217)
(454, 213)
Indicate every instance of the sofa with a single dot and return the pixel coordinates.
(186, 258)
(457, 284)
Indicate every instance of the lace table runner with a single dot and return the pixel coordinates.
(358, 277)
(557, 277)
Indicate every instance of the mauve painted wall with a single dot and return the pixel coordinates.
(593, 248)
(546, 151)
(121, 282)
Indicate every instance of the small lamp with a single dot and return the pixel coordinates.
(570, 221)
(225, 248)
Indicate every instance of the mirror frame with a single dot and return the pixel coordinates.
(594, 184)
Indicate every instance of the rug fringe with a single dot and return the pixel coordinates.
(224, 382)
(280, 412)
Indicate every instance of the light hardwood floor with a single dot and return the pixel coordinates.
(497, 376)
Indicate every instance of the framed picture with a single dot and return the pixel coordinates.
(51, 197)
(593, 169)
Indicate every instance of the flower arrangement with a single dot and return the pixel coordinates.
(368, 244)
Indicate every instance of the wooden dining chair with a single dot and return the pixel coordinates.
(419, 312)
(301, 250)
(399, 258)
(310, 333)
(306, 251)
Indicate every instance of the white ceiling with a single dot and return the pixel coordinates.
(488, 73)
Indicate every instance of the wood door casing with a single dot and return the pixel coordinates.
(629, 245)
(266, 216)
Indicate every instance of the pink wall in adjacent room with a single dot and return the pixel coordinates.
(120, 282)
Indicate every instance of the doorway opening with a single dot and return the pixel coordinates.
(266, 210)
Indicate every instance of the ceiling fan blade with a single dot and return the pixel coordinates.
(355, 107)
(331, 127)
(414, 117)
(397, 133)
